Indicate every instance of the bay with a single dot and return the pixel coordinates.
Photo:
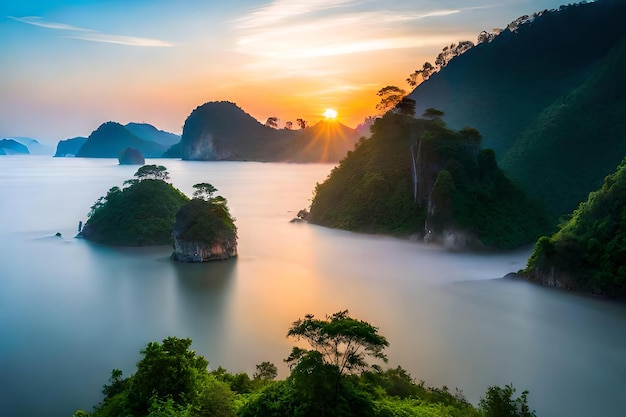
(71, 310)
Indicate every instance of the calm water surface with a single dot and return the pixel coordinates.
(70, 310)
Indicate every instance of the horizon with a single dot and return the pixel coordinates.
(72, 65)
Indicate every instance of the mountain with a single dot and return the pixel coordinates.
(152, 134)
(531, 81)
(326, 141)
(589, 250)
(34, 146)
(223, 131)
(418, 177)
(69, 147)
(577, 140)
(111, 138)
(12, 147)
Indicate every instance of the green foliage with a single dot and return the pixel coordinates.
(204, 191)
(141, 214)
(458, 186)
(499, 402)
(341, 341)
(172, 380)
(577, 140)
(205, 221)
(371, 189)
(167, 370)
(591, 245)
(154, 172)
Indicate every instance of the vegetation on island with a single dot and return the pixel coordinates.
(140, 214)
(417, 176)
(206, 218)
(588, 251)
(332, 378)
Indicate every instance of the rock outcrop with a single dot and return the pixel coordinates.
(69, 147)
(131, 156)
(202, 252)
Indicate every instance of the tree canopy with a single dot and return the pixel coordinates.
(140, 214)
(173, 380)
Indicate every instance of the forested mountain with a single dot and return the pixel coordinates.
(526, 89)
(420, 177)
(223, 131)
(111, 138)
(588, 253)
(150, 133)
(577, 140)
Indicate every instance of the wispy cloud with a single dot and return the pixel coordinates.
(318, 28)
(37, 21)
(92, 35)
(121, 40)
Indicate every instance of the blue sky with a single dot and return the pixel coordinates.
(67, 66)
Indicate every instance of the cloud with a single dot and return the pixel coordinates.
(92, 35)
(121, 40)
(307, 29)
(37, 21)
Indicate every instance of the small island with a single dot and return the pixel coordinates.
(149, 211)
(204, 229)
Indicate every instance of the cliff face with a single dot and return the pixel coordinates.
(185, 251)
(69, 147)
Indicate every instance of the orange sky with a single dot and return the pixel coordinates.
(67, 66)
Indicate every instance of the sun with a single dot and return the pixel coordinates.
(330, 114)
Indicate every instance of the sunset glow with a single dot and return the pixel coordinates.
(61, 60)
(330, 114)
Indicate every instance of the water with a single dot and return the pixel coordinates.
(71, 310)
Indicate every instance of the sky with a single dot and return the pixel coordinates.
(67, 66)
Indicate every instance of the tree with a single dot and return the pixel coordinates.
(433, 114)
(204, 191)
(340, 343)
(301, 123)
(406, 106)
(498, 402)
(265, 371)
(167, 370)
(389, 97)
(272, 122)
(288, 125)
(155, 172)
(427, 70)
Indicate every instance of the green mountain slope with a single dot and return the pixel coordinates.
(500, 87)
(419, 177)
(577, 140)
(588, 253)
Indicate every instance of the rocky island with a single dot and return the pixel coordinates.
(204, 229)
(149, 211)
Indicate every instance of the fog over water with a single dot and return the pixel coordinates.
(71, 310)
